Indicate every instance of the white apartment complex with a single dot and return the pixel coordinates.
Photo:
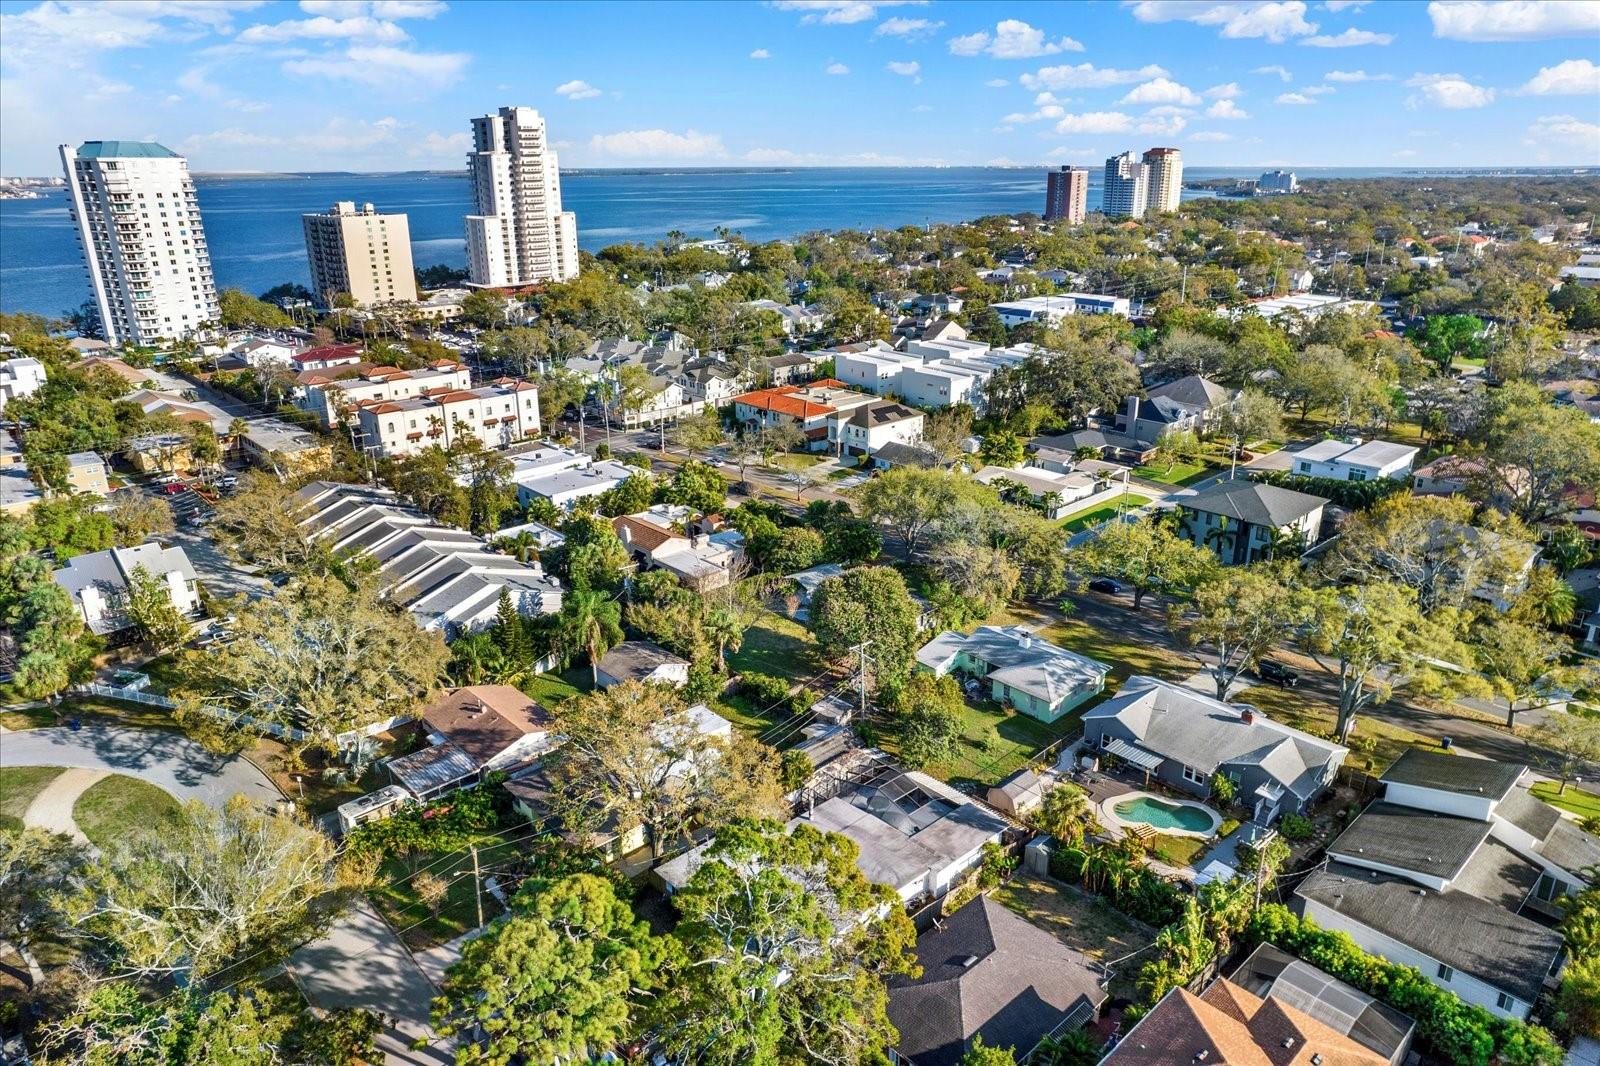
(19, 377)
(139, 224)
(518, 233)
(335, 399)
(359, 252)
(1163, 180)
(498, 414)
(1127, 187)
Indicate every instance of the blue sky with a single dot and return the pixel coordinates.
(391, 84)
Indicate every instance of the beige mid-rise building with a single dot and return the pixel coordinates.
(498, 414)
(1066, 195)
(1164, 180)
(360, 252)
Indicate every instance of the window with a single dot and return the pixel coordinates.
(1305, 468)
(1105, 739)
(1445, 972)
(1191, 774)
(1358, 475)
(1504, 1002)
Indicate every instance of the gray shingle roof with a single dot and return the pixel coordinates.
(1454, 773)
(1437, 845)
(1473, 935)
(1253, 502)
(1192, 391)
(1018, 658)
(633, 660)
(987, 973)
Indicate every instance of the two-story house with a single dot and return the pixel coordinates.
(1245, 521)
(98, 583)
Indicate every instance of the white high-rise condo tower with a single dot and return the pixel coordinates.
(1164, 170)
(139, 223)
(1126, 186)
(518, 234)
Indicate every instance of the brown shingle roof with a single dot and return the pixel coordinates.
(485, 720)
(637, 533)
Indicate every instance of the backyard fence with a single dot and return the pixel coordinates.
(129, 695)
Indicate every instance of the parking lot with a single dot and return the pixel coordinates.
(192, 504)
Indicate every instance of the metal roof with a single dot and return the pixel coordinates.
(1144, 760)
(125, 150)
(434, 769)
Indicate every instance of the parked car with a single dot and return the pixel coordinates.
(227, 481)
(1105, 585)
(1277, 673)
(174, 488)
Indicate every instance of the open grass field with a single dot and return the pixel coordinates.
(1176, 474)
(1079, 920)
(1082, 520)
(115, 807)
(1580, 802)
(777, 646)
(18, 787)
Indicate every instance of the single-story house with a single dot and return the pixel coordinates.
(1182, 738)
(473, 731)
(566, 487)
(807, 582)
(1056, 493)
(641, 660)
(895, 454)
(1038, 678)
(986, 972)
(699, 560)
(917, 835)
(1355, 460)
(1245, 521)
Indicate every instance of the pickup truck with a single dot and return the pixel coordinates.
(1277, 673)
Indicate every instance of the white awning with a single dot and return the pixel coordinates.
(1144, 760)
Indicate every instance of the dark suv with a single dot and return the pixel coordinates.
(1277, 673)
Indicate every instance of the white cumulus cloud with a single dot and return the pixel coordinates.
(906, 69)
(1514, 20)
(1227, 91)
(761, 53)
(577, 90)
(1450, 91)
(836, 68)
(1281, 71)
(1565, 130)
(910, 29)
(1575, 77)
(658, 144)
(1095, 122)
(324, 28)
(1277, 22)
(1226, 109)
(1162, 91)
(1355, 75)
(1350, 38)
(1162, 125)
(384, 67)
(1012, 39)
(839, 12)
(1088, 76)
(1295, 98)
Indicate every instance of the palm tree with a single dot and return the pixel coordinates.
(591, 621)
(523, 545)
(725, 627)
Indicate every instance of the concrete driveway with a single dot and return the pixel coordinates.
(162, 757)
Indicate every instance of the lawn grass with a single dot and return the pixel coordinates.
(1176, 850)
(1125, 657)
(18, 787)
(795, 461)
(395, 896)
(1176, 474)
(995, 743)
(118, 806)
(754, 718)
(1574, 799)
(777, 646)
(553, 689)
(1083, 922)
(1318, 717)
(1081, 520)
(90, 710)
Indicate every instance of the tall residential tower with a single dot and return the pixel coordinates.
(362, 253)
(1164, 170)
(139, 223)
(1066, 195)
(1127, 187)
(518, 234)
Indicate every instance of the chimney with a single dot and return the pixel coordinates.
(1247, 715)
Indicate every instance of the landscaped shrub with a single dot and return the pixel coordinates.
(1352, 494)
(1295, 827)
(1133, 889)
(764, 689)
(1458, 1032)
(1229, 827)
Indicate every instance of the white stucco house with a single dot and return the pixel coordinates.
(99, 581)
(1355, 460)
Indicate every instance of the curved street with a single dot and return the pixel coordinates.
(164, 758)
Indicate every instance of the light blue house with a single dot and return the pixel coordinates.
(1038, 678)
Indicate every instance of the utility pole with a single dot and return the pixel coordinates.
(1183, 285)
(477, 884)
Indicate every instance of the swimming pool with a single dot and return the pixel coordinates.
(1173, 817)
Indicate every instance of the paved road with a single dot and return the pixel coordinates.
(162, 757)
(361, 963)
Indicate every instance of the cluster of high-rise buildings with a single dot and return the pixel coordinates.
(138, 221)
(1135, 186)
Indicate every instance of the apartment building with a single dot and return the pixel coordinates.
(1066, 195)
(359, 252)
(517, 233)
(335, 395)
(497, 414)
(139, 226)
(1163, 180)
(1127, 187)
(19, 377)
